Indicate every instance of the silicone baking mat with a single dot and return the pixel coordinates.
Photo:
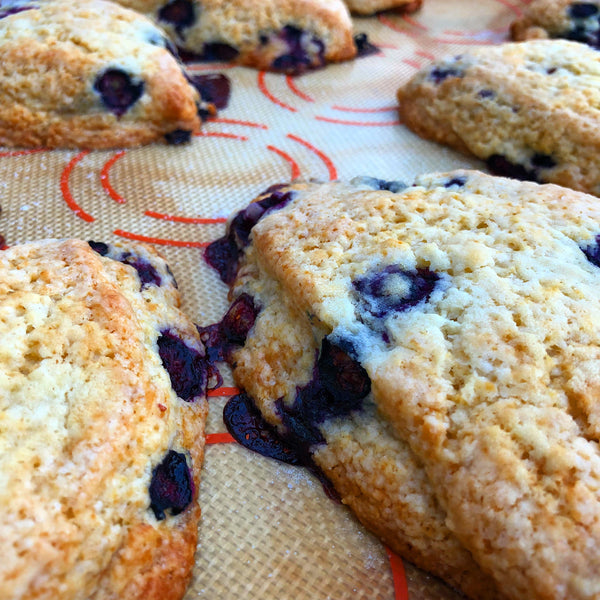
(268, 530)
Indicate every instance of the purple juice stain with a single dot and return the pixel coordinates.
(118, 91)
(220, 339)
(188, 368)
(393, 290)
(172, 486)
(212, 87)
(304, 51)
(247, 426)
(364, 47)
(224, 254)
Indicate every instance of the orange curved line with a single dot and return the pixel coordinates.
(411, 63)
(424, 54)
(361, 123)
(328, 162)
(398, 575)
(221, 134)
(176, 219)
(66, 192)
(239, 122)
(104, 181)
(219, 438)
(295, 168)
(463, 42)
(365, 110)
(262, 86)
(22, 152)
(224, 391)
(290, 83)
(159, 241)
(414, 23)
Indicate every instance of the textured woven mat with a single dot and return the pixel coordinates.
(268, 529)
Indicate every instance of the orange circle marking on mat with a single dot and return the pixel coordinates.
(262, 86)
(398, 575)
(221, 134)
(358, 123)
(160, 241)
(364, 110)
(66, 192)
(224, 391)
(293, 164)
(328, 162)
(104, 180)
(176, 219)
(239, 122)
(22, 152)
(219, 438)
(290, 83)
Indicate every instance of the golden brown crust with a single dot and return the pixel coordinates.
(534, 104)
(88, 413)
(246, 25)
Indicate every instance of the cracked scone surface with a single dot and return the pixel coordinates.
(99, 458)
(277, 35)
(374, 472)
(577, 21)
(530, 109)
(91, 74)
(471, 302)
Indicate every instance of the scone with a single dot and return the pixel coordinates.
(465, 309)
(289, 36)
(577, 21)
(531, 110)
(370, 7)
(102, 430)
(90, 74)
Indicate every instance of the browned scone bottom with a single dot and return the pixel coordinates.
(102, 437)
(433, 348)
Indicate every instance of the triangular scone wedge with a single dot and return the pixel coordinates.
(466, 307)
(531, 110)
(90, 74)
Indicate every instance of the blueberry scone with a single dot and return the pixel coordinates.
(531, 110)
(370, 7)
(455, 322)
(289, 36)
(90, 74)
(577, 21)
(102, 408)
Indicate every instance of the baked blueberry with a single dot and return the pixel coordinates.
(187, 367)
(305, 51)
(119, 90)
(179, 13)
(172, 486)
(178, 136)
(393, 289)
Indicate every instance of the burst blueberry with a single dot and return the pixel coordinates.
(304, 51)
(592, 251)
(582, 10)
(178, 137)
(439, 74)
(118, 90)
(393, 289)
(247, 426)
(172, 486)
(186, 366)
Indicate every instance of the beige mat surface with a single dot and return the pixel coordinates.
(268, 529)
